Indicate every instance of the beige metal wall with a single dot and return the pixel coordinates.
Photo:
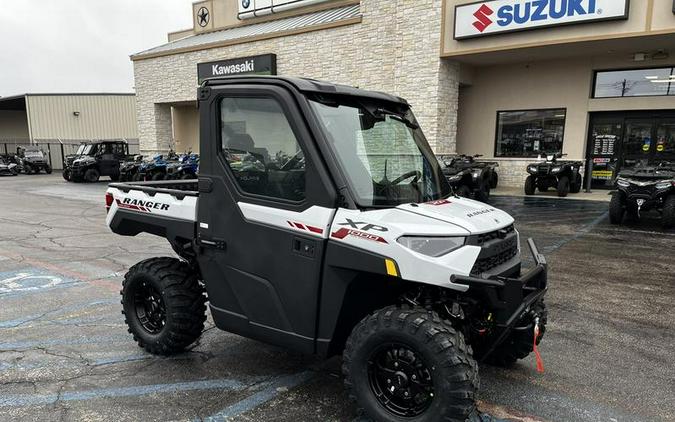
(100, 116)
(13, 125)
(185, 128)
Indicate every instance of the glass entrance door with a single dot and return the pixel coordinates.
(622, 139)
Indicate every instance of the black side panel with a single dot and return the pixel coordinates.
(355, 283)
(132, 223)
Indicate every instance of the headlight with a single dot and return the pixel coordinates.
(180, 169)
(532, 169)
(664, 185)
(556, 169)
(623, 183)
(476, 174)
(455, 178)
(432, 246)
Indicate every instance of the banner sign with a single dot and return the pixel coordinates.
(265, 64)
(502, 16)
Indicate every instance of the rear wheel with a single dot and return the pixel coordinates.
(28, 169)
(563, 186)
(669, 212)
(530, 185)
(157, 176)
(616, 209)
(66, 175)
(405, 363)
(164, 305)
(48, 169)
(91, 176)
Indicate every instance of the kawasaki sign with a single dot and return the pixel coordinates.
(500, 16)
(255, 65)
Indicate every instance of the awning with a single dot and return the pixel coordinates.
(242, 33)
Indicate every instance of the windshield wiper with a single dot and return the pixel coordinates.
(380, 112)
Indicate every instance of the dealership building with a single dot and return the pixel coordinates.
(508, 79)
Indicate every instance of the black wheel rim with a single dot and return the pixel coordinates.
(400, 380)
(149, 307)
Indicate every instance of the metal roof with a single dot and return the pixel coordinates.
(242, 32)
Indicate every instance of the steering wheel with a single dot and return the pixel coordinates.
(408, 175)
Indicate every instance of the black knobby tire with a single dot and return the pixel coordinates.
(157, 176)
(616, 209)
(115, 177)
(530, 185)
(576, 185)
(136, 177)
(563, 186)
(91, 176)
(442, 360)
(483, 194)
(174, 318)
(668, 215)
(48, 169)
(66, 175)
(28, 169)
(494, 180)
(520, 343)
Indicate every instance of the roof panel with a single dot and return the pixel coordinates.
(288, 24)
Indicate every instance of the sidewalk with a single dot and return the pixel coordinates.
(596, 195)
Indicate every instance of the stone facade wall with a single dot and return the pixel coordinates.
(395, 49)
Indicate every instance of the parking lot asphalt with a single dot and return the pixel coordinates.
(65, 353)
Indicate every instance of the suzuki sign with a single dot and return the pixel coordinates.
(500, 16)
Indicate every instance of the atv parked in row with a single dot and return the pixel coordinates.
(186, 168)
(96, 159)
(129, 169)
(643, 188)
(470, 178)
(33, 160)
(332, 247)
(564, 176)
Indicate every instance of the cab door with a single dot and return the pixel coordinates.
(265, 207)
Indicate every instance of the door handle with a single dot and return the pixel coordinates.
(304, 247)
(215, 243)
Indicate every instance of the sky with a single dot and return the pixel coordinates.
(67, 46)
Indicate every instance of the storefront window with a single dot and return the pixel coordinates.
(635, 83)
(530, 132)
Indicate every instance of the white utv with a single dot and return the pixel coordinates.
(322, 222)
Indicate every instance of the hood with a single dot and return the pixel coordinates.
(473, 216)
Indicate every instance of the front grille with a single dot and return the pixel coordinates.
(641, 190)
(498, 234)
(497, 248)
(543, 169)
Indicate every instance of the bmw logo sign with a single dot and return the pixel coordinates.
(245, 3)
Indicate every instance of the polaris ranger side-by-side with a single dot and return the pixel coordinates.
(95, 159)
(321, 221)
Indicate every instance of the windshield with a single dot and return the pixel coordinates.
(80, 150)
(383, 154)
(33, 154)
(89, 149)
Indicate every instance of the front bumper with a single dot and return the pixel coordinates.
(509, 299)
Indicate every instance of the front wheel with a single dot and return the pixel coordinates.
(48, 169)
(66, 175)
(563, 186)
(406, 364)
(28, 169)
(464, 191)
(91, 176)
(669, 212)
(164, 305)
(530, 185)
(616, 209)
(577, 184)
(483, 193)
